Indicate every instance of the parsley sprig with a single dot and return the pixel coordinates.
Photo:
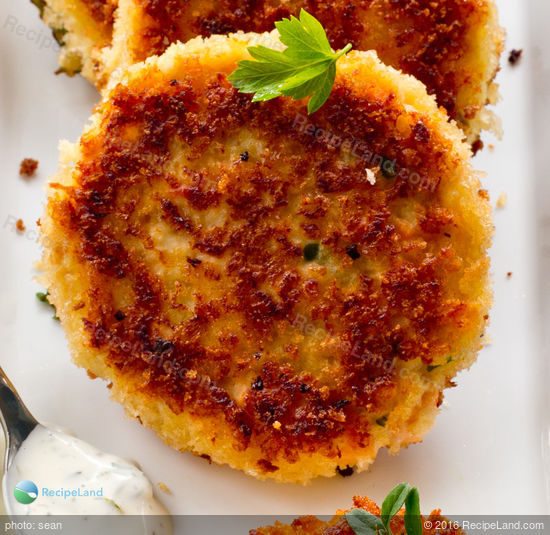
(306, 67)
(364, 523)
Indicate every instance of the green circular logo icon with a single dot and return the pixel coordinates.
(25, 492)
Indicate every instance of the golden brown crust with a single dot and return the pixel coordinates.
(82, 28)
(452, 46)
(192, 265)
(422, 38)
(312, 525)
(97, 14)
(102, 11)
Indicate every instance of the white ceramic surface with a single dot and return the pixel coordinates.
(488, 451)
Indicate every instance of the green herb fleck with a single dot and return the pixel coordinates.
(72, 64)
(40, 4)
(68, 72)
(58, 34)
(307, 67)
(43, 298)
(382, 421)
(431, 368)
(364, 523)
(311, 251)
(112, 502)
(388, 168)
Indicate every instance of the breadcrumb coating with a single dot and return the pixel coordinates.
(452, 46)
(434, 524)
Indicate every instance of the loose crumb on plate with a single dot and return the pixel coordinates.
(164, 487)
(28, 167)
(502, 200)
(20, 226)
(509, 275)
(515, 56)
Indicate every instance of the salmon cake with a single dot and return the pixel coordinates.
(434, 524)
(82, 28)
(282, 293)
(452, 46)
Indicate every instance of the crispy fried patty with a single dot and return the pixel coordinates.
(283, 293)
(338, 525)
(452, 46)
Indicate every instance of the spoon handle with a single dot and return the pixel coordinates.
(16, 419)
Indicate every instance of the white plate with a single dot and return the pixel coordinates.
(483, 457)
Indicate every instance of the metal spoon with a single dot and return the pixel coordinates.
(16, 419)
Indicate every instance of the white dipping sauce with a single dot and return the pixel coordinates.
(62, 465)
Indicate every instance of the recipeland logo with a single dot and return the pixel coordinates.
(25, 492)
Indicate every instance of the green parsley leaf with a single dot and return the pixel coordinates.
(364, 523)
(305, 38)
(393, 503)
(413, 520)
(307, 67)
